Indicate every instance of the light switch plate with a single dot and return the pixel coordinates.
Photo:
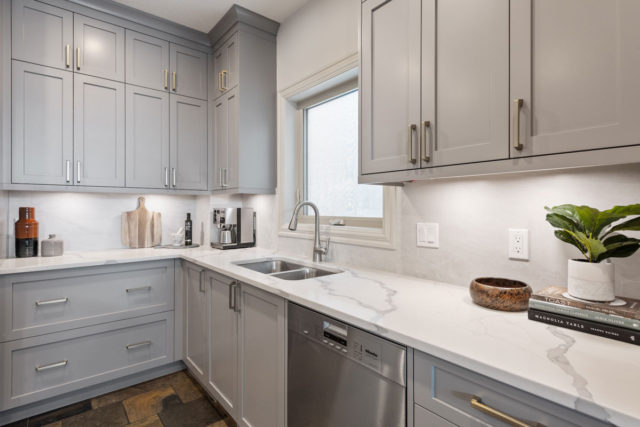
(428, 235)
(519, 243)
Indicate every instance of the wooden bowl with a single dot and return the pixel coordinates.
(500, 294)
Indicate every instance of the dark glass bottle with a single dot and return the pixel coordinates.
(27, 233)
(187, 231)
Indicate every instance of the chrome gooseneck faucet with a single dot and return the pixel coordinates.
(318, 249)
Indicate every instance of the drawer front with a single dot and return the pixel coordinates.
(45, 302)
(41, 367)
(447, 390)
(424, 418)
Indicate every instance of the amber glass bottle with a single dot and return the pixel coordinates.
(27, 233)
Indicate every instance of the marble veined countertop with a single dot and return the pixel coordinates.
(593, 375)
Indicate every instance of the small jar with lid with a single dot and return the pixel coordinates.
(26, 229)
(52, 246)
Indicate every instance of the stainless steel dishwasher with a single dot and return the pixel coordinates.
(341, 376)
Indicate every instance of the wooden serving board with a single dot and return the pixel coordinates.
(141, 228)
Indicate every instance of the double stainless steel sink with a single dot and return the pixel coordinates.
(284, 269)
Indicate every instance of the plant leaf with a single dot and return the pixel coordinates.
(631, 225)
(563, 222)
(570, 212)
(567, 237)
(594, 246)
(612, 215)
(620, 250)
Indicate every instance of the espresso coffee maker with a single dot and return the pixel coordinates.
(233, 228)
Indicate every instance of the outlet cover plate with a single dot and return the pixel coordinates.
(428, 235)
(519, 244)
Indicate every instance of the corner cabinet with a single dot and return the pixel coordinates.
(244, 105)
(447, 87)
(244, 342)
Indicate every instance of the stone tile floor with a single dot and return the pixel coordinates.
(175, 400)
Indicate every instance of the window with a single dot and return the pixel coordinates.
(328, 153)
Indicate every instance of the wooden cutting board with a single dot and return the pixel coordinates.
(141, 228)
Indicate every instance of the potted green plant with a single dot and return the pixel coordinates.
(596, 235)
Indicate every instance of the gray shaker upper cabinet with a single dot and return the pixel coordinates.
(147, 61)
(188, 71)
(465, 82)
(188, 143)
(99, 132)
(225, 63)
(42, 34)
(147, 135)
(390, 85)
(575, 66)
(42, 124)
(98, 48)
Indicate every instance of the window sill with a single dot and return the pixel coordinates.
(357, 236)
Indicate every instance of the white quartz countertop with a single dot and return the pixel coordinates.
(594, 375)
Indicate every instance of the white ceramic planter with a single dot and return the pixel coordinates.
(591, 281)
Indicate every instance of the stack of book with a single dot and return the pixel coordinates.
(619, 320)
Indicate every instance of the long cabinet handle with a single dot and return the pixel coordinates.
(173, 173)
(226, 177)
(68, 56)
(220, 82)
(224, 80)
(52, 302)
(476, 403)
(59, 364)
(236, 298)
(201, 284)
(173, 80)
(166, 176)
(141, 288)
(138, 344)
(517, 106)
(412, 128)
(166, 79)
(424, 150)
(79, 171)
(232, 298)
(68, 170)
(78, 58)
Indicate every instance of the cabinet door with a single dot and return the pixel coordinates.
(42, 124)
(188, 148)
(99, 48)
(263, 359)
(147, 138)
(195, 322)
(465, 81)
(98, 137)
(389, 85)
(223, 339)
(147, 61)
(575, 64)
(41, 34)
(225, 63)
(188, 72)
(221, 140)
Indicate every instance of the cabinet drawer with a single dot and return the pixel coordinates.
(44, 302)
(447, 390)
(41, 367)
(424, 418)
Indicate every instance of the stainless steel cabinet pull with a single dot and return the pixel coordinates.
(224, 80)
(166, 177)
(141, 288)
(52, 301)
(232, 295)
(68, 171)
(59, 364)
(78, 58)
(220, 177)
(423, 140)
(226, 177)
(173, 81)
(166, 79)
(220, 82)
(236, 297)
(412, 128)
(517, 106)
(68, 56)
(78, 180)
(138, 344)
(201, 284)
(173, 172)
(476, 403)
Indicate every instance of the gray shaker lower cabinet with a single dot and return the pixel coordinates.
(188, 143)
(464, 398)
(195, 321)
(147, 138)
(42, 124)
(99, 132)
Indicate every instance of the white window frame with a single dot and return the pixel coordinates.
(333, 80)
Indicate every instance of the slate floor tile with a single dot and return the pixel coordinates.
(108, 416)
(56, 424)
(116, 396)
(152, 421)
(197, 413)
(58, 414)
(184, 386)
(147, 404)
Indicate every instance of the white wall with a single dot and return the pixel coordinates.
(474, 214)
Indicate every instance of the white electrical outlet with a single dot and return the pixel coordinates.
(428, 235)
(519, 243)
